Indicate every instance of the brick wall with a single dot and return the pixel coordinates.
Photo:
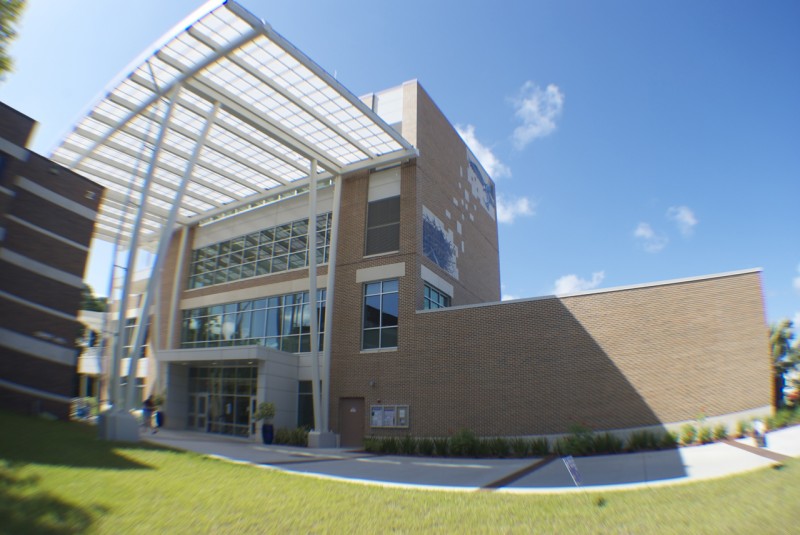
(618, 359)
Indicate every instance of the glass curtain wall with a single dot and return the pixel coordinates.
(282, 322)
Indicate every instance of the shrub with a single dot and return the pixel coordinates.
(688, 434)
(520, 447)
(426, 446)
(372, 444)
(607, 443)
(743, 428)
(720, 432)
(408, 445)
(669, 440)
(388, 445)
(464, 443)
(644, 440)
(282, 436)
(540, 446)
(579, 441)
(442, 446)
(483, 448)
(704, 435)
(499, 447)
(299, 437)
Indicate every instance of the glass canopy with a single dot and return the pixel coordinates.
(228, 94)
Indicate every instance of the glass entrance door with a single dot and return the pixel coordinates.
(198, 412)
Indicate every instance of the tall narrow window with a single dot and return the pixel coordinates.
(380, 315)
(383, 226)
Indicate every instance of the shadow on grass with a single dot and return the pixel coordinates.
(28, 439)
(24, 509)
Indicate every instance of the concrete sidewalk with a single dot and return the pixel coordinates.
(529, 475)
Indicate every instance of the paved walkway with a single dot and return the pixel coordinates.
(530, 475)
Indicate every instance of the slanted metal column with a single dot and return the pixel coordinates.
(326, 352)
(312, 293)
(132, 249)
(166, 237)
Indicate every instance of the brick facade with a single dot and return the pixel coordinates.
(47, 217)
(623, 358)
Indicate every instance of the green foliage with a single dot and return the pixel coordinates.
(10, 12)
(540, 446)
(371, 444)
(704, 435)
(408, 445)
(464, 444)
(720, 432)
(607, 443)
(669, 440)
(264, 411)
(388, 445)
(520, 447)
(688, 434)
(92, 303)
(291, 437)
(442, 446)
(499, 447)
(643, 440)
(426, 447)
(743, 428)
(579, 441)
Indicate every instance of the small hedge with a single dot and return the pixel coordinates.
(580, 441)
(291, 437)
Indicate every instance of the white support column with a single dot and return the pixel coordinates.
(326, 353)
(176, 288)
(312, 293)
(132, 250)
(163, 244)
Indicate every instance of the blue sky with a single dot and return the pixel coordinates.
(631, 141)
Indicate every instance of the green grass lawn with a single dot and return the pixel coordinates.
(57, 477)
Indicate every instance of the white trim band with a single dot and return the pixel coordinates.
(37, 306)
(47, 233)
(38, 348)
(20, 153)
(42, 269)
(55, 198)
(34, 392)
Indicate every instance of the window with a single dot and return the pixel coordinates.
(435, 298)
(380, 315)
(271, 250)
(383, 226)
(280, 322)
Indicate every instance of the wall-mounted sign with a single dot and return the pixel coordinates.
(388, 416)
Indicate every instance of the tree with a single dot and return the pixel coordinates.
(785, 355)
(89, 301)
(10, 11)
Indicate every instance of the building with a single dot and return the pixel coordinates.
(393, 325)
(47, 215)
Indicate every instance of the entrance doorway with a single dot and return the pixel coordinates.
(198, 412)
(351, 421)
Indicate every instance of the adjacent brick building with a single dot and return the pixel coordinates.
(47, 215)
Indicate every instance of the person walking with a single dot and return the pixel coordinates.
(147, 412)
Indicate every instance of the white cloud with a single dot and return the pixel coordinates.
(538, 109)
(684, 218)
(796, 280)
(509, 208)
(572, 283)
(509, 297)
(651, 241)
(484, 154)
